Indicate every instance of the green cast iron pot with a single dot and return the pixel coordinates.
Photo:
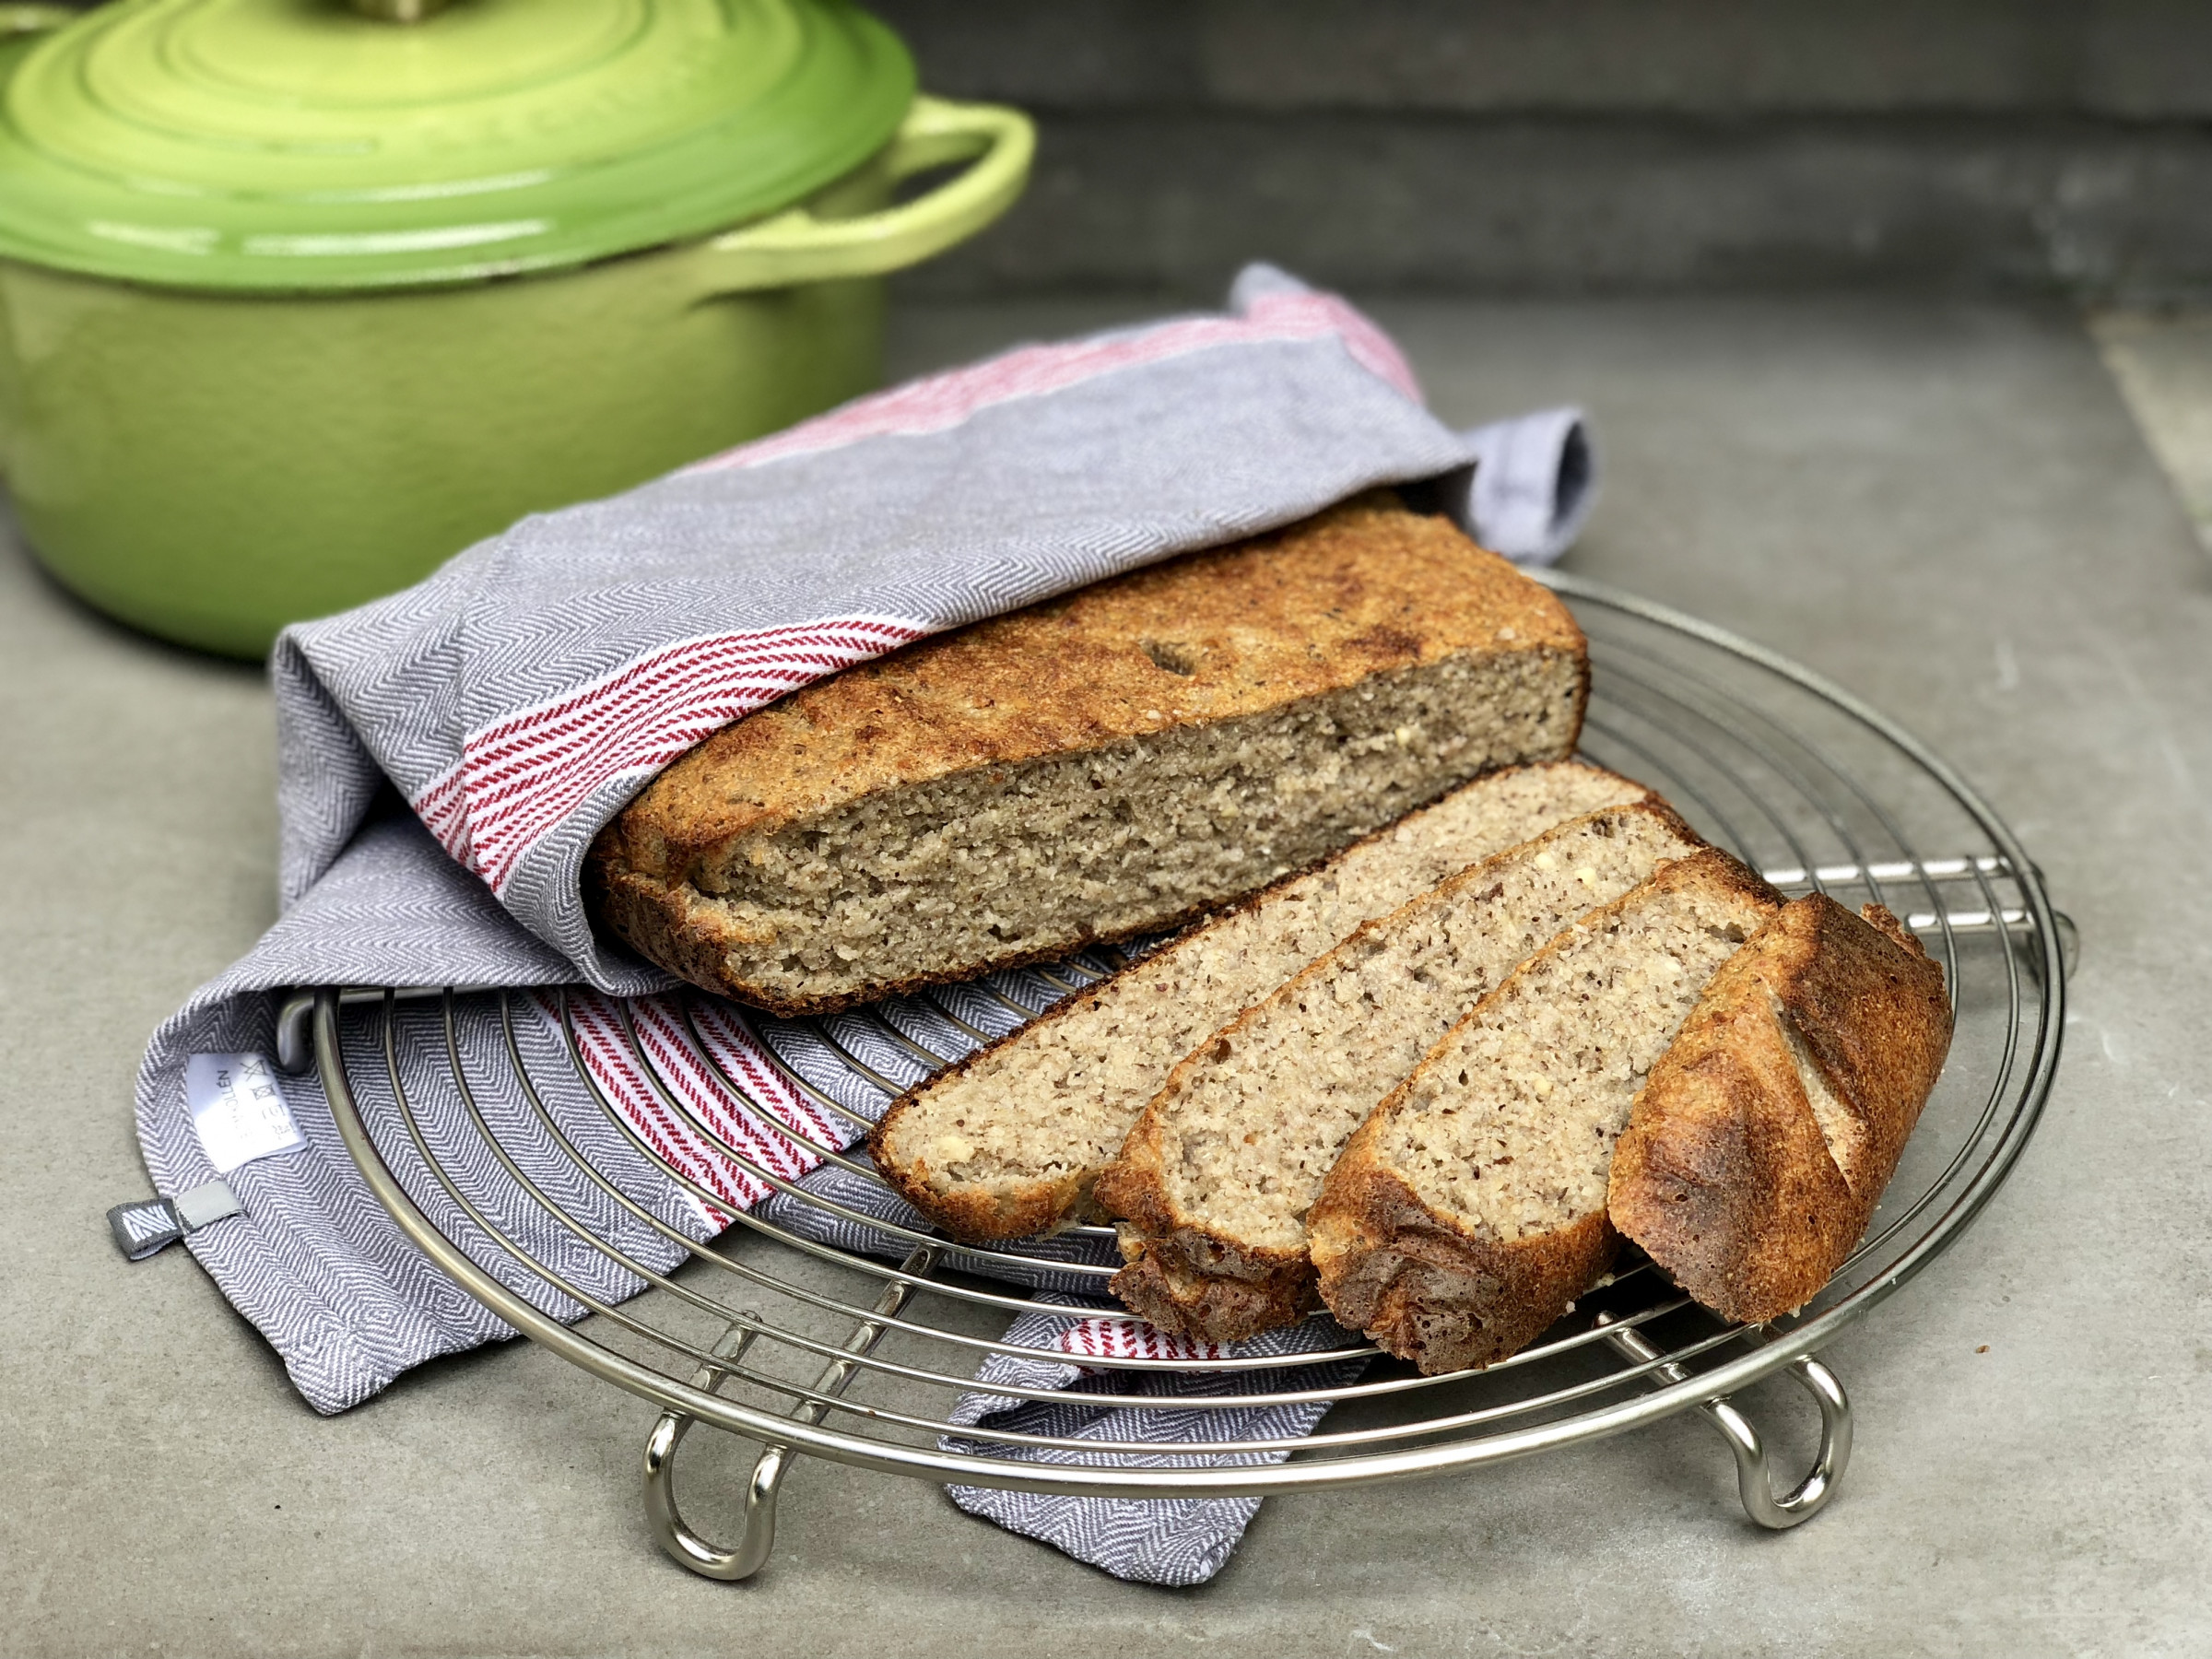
(209, 466)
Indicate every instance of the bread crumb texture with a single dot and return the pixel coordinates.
(1469, 1210)
(1107, 764)
(1221, 1170)
(1011, 1142)
(1513, 1128)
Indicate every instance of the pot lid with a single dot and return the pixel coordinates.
(302, 143)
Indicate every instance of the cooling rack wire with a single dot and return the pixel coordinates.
(817, 1326)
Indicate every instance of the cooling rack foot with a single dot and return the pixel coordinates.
(1753, 1480)
(673, 1535)
(669, 1529)
(686, 1547)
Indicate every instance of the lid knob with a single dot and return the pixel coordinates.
(399, 11)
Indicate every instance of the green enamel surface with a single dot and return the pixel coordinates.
(209, 469)
(295, 145)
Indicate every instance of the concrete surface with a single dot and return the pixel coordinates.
(1943, 505)
(2163, 362)
(1600, 145)
(1623, 204)
(2134, 59)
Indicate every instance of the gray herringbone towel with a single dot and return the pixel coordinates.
(1176, 1541)
(447, 755)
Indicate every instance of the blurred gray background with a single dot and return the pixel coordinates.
(1998, 147)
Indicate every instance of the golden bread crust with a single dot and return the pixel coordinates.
(1364, 590)
(1724, 1175)
(1185, 1277)
(1239, 1298)
(1424, 1289)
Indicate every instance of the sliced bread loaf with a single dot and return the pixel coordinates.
(1215, 1178)
(1468, 1211)
(1108, 764)
(1762, 1141)
(1008, 1142)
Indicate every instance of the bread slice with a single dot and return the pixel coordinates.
(1009, 1142)
(1762, 1141)
(1217, 1175)
(1468, 1211)
(1111, 763)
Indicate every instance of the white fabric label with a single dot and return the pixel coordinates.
(237, 1108)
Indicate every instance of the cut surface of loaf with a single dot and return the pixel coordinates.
(1215, 1178)
(1761, 1144)
(1009, 1142)
(1468, 1211)
(1110, 763)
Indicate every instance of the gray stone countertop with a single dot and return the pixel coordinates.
(1944, 506)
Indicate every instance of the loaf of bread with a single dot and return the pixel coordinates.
(1215, 1180)
(1468, 1211)
(1762, 1140)
(1109, 764)
(1009, 1142)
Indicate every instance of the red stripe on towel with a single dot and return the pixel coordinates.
(944, 401)
(518, 779)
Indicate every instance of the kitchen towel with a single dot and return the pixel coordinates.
(1174, 1541)
(447, 754)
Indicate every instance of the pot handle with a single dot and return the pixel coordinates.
(795, 246)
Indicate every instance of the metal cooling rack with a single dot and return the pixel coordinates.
(806, 1348)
